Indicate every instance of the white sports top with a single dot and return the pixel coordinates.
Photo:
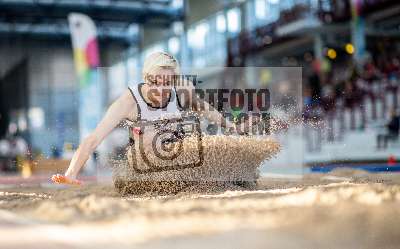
(148, 113)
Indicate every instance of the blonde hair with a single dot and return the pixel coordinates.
(158, 60)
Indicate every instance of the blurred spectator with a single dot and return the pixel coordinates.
(328, 97)
(349, 95)
(315, 87)
(95, 156)
(55, 152)
(4, 147)
(370, 71)
(18, 146)
(12, 148)
(5, 161)
(392, 132)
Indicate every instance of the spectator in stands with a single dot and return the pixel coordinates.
(349, 94)
(370, 72)
(392, 133)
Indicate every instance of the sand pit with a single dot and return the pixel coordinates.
(312, 212)
(229, 162)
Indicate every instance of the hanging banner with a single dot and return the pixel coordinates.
(358, 30)
(86, 57)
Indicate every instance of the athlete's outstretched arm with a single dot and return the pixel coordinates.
(118, 110)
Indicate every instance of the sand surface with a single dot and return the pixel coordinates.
(345, 209)
(223, 161)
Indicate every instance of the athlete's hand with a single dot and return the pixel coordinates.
(62, 179)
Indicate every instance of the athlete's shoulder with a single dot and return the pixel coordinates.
(130, 102)
(132, 92)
